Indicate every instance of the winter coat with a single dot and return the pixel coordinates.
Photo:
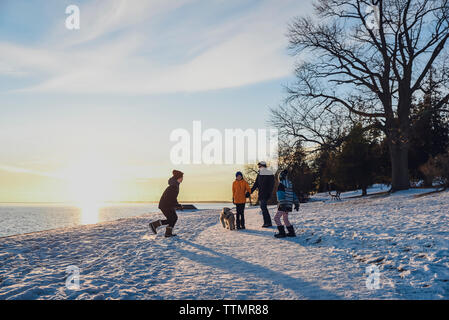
(239, 190)
(169, 199)
(286, 196)
(265, 183)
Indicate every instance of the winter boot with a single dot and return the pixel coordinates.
(154, 225)
(281, 233)
(291, 232)
(169, 232)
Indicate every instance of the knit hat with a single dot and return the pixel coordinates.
(238, 173)
(262, 163)
(283, 174)
(177, 174)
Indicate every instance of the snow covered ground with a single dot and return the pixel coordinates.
(405, 237)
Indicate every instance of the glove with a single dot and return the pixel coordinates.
(297, 206)
(233, 201)
(247, 195)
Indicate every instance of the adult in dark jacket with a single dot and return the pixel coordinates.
(265, 184)
(168, 204)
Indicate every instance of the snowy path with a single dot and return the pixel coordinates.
(406, 237)
(252, 264)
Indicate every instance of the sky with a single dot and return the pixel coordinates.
(87, 114)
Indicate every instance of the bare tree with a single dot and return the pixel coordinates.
(251, 171)
(369, 58)
(305, 124)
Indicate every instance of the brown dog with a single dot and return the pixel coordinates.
(227, 219)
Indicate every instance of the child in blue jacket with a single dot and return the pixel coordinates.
(286, 198)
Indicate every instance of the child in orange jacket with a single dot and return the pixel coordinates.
(240, 191)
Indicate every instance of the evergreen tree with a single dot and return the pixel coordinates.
(430, 129)
(356, 163)
(323, 169)
(294, 158)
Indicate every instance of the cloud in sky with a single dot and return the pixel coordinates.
(15, 169)
(149, 48)
(101, 17)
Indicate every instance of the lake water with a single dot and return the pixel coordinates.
(25, 218)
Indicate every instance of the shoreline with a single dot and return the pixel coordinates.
(73, 227)
(114, 202)
(98, 223)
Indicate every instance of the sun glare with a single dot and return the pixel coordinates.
(90, 185)
(90, 212)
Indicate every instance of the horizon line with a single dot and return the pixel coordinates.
(74, 202)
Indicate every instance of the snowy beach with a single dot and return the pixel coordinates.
(20, 218)
(405, 236)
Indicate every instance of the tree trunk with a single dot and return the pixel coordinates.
(399, 166)
(428, 181)
(364, 191)
(398, 137)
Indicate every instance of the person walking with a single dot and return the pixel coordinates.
(240, 191)
(265, 184)
(168, 205)
(286, 198)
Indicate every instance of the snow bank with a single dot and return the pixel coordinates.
(406, 237)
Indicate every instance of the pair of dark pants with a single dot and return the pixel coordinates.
(171, 216)
(265, 212)
(240, 216)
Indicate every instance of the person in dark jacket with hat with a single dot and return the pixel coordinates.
(265, 184)
(168, 205)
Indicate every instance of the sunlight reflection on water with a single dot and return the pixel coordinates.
(90, 213)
